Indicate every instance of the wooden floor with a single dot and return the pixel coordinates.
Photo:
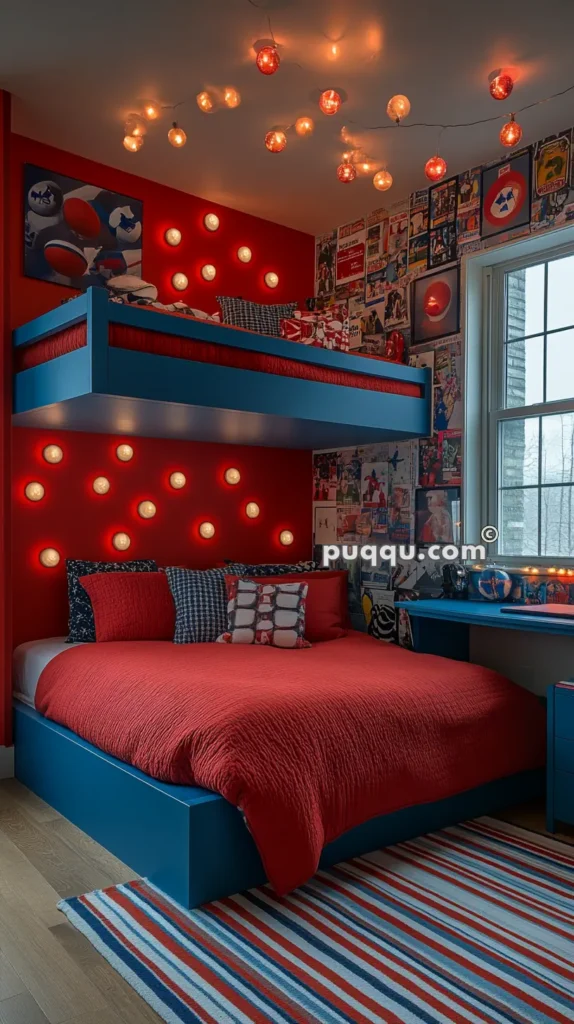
(48, 971)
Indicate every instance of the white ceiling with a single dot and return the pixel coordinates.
(77, 68)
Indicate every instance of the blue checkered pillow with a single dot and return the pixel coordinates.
(81, 625)
(200, 601)
(255, 317)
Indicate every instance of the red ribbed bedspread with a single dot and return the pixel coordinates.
(307, 743)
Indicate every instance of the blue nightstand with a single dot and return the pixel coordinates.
(560, 755)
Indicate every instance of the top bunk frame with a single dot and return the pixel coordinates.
(104, 387)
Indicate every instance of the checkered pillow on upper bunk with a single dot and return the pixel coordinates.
(255, 317)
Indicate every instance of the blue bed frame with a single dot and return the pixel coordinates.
(113, 390)
(190, 842)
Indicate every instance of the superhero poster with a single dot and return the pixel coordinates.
(77, 234)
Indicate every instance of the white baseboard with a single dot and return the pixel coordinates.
(6, 762)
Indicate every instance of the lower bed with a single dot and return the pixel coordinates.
(328, 753)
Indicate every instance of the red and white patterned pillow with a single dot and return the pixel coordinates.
(265, 613)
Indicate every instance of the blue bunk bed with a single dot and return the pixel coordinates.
(104, 387)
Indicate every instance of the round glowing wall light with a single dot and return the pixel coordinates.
(147, 509)
(211, 221)
(232, 475)
(173, 236)
(34, 491)
(252, 510)
(244, 254)
(101, 485)
(207, 530)
(121, 541)
(53, 453)
(179, 281)
(271, 279)
(49, 558)
(208, 272)
(124, 452)
(177, 480)
(286, 537)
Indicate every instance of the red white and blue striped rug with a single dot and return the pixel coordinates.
(471, 924)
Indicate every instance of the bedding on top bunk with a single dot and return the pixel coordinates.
(307, 743)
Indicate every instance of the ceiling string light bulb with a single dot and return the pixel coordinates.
(231, 97)
(151, 110)
(435, 168)
(133, 143)
(268, 60)
(501, 85)
(383, 180)
(510, 133)
(398, 108)
(330, 102)
(346, 172)
(276, 141)
(304, 125)
(177, 136)
(204, 102)
(135, 125)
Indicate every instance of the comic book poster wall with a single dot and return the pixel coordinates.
(402, 267)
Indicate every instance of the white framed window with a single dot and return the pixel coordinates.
(528, 407)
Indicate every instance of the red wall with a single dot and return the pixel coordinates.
(288, 252)
(80, 524)
(5, 414)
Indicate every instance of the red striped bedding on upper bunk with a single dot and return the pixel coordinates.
(138, 340)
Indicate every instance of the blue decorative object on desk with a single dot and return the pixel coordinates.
(494, 584)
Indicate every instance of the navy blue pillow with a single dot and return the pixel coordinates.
(281, 569)
(200, 599)
(81, 625)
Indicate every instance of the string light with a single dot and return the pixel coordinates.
(501, 86)
(151, 110)
(231, 97)
(173, 236)
(275, 141)
(34, 491)
(135, 125)
(510, 133)
(244, 254)
(398, 108)
(334, 51)
(177, 136)
(330, 102)
(121, 541)
(211, 221)
(435, 168)
(268, 60)
(133, 143)
(53, 453)
(383, 180)
(179, 281)
(49, 558)
(177, 480)
(208, 272)
(101, 485)
(271, 279)
(346, 172)
(304, 125)
(204, 102)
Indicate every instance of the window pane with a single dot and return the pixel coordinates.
(561, 293)
(519, 452)
(560, 365)
(557, 521)
(524, 372)
(519, 522)
(525, 301)
(558, 449)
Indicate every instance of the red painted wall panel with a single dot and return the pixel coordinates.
(80, 523)
(5, 414)
(274, 247)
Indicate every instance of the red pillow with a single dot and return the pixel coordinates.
(326, 608)
(127, 607)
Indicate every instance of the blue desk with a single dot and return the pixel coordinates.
(442, 626)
